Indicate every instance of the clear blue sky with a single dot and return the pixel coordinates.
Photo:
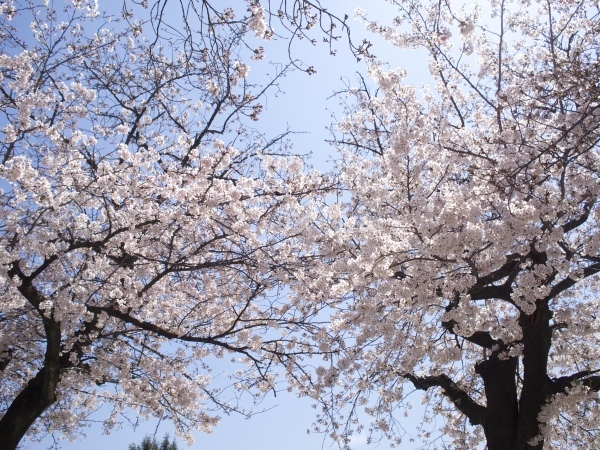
(303, 106)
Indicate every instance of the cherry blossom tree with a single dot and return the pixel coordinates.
(462, 257)
(145, 228)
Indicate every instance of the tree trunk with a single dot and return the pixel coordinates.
(37, 396)
(500, 423)
(537, 339)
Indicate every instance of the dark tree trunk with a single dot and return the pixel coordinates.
(510, 419)
(500, 423)
(537, 340)
(37, 396)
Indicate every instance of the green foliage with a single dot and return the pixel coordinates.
(149, 443)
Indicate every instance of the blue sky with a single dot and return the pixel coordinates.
(302, 106)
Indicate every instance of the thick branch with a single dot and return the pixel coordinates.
(574, 223)
(585, 378)
(480, 338)
(463, 402)
(485, 289)
(502, 292)
(568, 282)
